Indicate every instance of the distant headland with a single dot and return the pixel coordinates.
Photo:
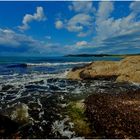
(100, 55)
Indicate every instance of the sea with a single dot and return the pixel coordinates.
(37, 87)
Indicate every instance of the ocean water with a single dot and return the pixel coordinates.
(44, 64)
(24, 70)
(40, 87)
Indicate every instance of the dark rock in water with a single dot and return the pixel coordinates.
(7, 127)
(52, 80)
(115, 115)
(53, 87)
(37, 82)
(31, 86)
(17, 66)
(6, 87)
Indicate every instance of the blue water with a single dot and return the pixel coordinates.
(22, 65)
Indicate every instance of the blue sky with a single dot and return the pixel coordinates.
(58, 28)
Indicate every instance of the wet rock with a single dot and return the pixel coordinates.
(53, 87)
(37, 82)
(7, 87)
(20, 114)
(7, 127)
(115, 115)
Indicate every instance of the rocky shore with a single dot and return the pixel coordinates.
(99, 100)
(112, 114)
(126, 70)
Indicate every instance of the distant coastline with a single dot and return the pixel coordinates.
(100, 55)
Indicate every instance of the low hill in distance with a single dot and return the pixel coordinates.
(100, 55)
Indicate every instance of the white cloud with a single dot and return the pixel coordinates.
(104, 10)
(77, 23)
(135, 7)
(12, 39)
(12, 42)
(48, 37)
(120, 35)
(82, 6)
(107, 26)
(80, 23)
(81, 43)
(104, 26)
(7, 38)
(59, 24)
(38, 16)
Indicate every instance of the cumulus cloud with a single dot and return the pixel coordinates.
(12, 39)
(6, 38)
(81, 43)
(77, 23)
(104, 10)
(103, 22)
(135, 7)
(80, 23)
(82, 6)
(12, 43)
(110, 34)
(114, 35)
(38, 16)
(59, 24)
(108, 28)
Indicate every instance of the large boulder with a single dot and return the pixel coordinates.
(127, 69)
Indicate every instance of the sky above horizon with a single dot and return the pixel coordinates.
(69, 27)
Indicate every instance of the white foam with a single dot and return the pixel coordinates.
(56, 64)
(1, 76)
(33, 77)
(63, 129)
(136, 84)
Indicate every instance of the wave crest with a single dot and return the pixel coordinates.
(56, 64)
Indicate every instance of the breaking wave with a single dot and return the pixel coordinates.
(25, 65)
(55, 64)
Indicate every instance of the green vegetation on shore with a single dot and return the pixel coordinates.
(76, 112)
